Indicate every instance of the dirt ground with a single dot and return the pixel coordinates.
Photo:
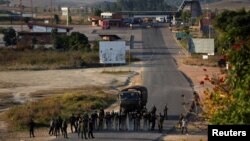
(196, 74)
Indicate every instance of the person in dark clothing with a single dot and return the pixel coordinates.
(153, 118)
(31, 128)
(153, 110)
(52, 126)
(80, 126)
(60, 122)
(64, 128)
(72, 121)
(91, 127)
(85, 126)
(94, 117)
(166, 112)
(101, 119)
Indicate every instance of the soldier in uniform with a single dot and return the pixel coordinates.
(90, 129)
(51, 126)
(72, 121)
(31, 127)
(80, 126)
(85, 125)
(60, 121)
(116, 121)
(166, 112)
(145, 121)
(153, 110)
(160, 120)
(78, 118)
(101, 117)
(137, 121)
(94, 117)
(64, 128)
(153, 118)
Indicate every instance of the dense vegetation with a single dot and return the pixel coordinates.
(84, 100)
(229, 102)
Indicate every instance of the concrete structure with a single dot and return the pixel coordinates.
(201, 45)
(196, 10)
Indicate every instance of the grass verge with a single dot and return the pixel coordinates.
(70, 101)
(49, 59)
(42, 60)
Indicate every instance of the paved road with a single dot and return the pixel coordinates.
(163, 80)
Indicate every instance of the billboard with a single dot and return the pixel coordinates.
(65, 11)
(201, 45)
(112, 52)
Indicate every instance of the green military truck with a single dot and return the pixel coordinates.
(133, 98)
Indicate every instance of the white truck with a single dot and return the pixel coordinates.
(160, 19)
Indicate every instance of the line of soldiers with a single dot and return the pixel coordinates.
(84, 124)
(121, 121)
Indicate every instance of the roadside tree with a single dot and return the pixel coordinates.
(78, 41)
(10, 36)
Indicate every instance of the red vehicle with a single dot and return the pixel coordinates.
(105, 24)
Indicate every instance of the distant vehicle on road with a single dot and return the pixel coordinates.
(133, 98)
(160, 19)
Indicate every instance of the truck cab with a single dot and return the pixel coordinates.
(133, 98)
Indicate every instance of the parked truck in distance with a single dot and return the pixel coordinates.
(160, 19)
(133, 98)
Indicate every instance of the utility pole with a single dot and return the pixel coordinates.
(209, 34)
(51, 15)
(31, 9)
(21, 14)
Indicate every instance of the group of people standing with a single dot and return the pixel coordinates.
(81, 124)
(84, 124)
(119, 121)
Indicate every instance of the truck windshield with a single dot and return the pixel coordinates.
(129, 95)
